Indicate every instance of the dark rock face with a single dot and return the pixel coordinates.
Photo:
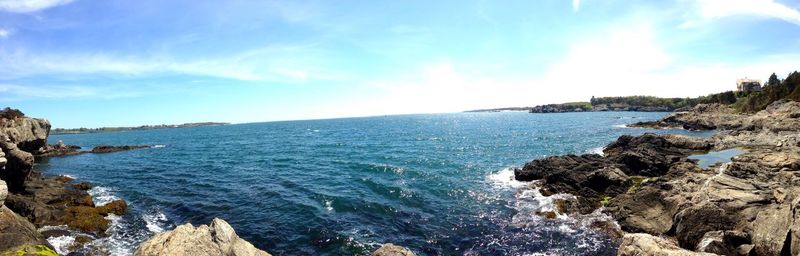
(17, 167)
(109, 149)
(593, 178)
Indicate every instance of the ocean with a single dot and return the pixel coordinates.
(439, 184)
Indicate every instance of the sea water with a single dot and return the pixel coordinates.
(440, 184)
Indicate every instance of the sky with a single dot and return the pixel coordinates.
(84, 63)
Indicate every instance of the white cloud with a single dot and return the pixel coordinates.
(709, 10)
(268, 64)
(26, 6)
(5, 33)
(624, 61)
(576, 5)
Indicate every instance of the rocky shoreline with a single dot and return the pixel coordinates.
(665, 204)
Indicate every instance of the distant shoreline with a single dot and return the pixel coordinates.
(63, 131)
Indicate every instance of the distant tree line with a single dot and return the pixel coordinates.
(774, 89)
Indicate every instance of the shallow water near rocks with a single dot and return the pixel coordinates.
(716, 157)
(439, 184)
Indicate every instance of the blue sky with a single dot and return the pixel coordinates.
(84, 63)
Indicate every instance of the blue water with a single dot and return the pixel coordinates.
(714, 157)
(344, 186)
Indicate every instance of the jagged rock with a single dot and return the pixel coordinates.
(109, 149)
(648, 245)
(392, 250)
(218, 238)
(17, 234)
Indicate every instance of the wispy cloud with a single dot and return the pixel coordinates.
(27, 6)
(4, 33)
(268, 64)
(709, 10)
(15, 92)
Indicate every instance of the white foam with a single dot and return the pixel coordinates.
(102, 195)
(155, 222)
(620, 126)
(61, 243)
(597, 150)
(505, 178)
(328, 205)
(158, 146)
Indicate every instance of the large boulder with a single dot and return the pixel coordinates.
(218, 238)
(18, 236)
(692, 223)
(392, 250)
(29, 134)
(648, 245)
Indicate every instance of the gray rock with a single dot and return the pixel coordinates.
(392, 250)
(218, 238)
(648, 245)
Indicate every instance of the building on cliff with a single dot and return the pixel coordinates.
(748, 85)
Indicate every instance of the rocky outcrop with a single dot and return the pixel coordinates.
(28, 134)
(746, 207)
(626, 162)
(110, 149)
(56, 201)
(58, 149)
(392, 250)
(217, 238)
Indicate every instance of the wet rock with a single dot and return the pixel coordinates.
(83, 186)
(58, 149)
(110, 149)
(392, 250)
(116, 207)
(218, 238)
(644, 244)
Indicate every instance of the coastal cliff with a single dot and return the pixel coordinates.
(669, 205)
